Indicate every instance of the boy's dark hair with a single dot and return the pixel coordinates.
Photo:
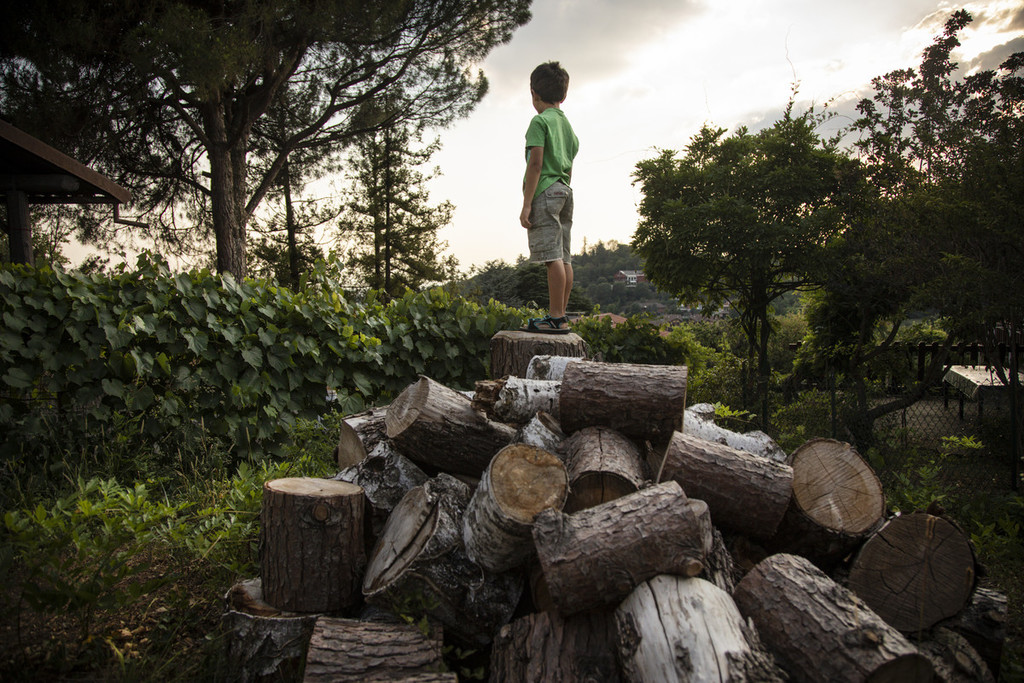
(550, 81)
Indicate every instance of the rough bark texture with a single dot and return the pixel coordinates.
(699, 421)
(436, 426)
(819, 631)
(543, 647)
(262, 642)
(952, 657)
(543, 431)
(520, 399)
(595, 557)
(359, 435)
(983, 624)
(312, 544)
(672, 628)
(837, 503)
(350, 650)
(521, 481)
(644, 402)
(747, 494)
(511, 350)
(720, 568)
(549, 367)
(603, 465)
(917, 570)
(419, 565)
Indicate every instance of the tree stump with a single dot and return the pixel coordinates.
(543, 431)
(437, 426)
(746, 494)
(917, 570)
(672, 628)
(419, 566)
(351, 650)
(543, 647)
(520, 482)
(359, 435)
(837, 502)
(549, 367)
(511, 350)
(262, 641)
(312, 544)
(643, 402)
(595, 557)
(819, 631)
(603, 465)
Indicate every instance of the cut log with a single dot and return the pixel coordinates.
(543, 647)
(672, 628)
(543, 431)
(419, 565)
(351, 650)
(644, 402)
(520, 482)
(837, 503)
(746, 494)
(603, 465)
(819, 631)
(917, 570)
(359, 435)
(720, 566)
(511, 350)
(952, 657)
(699, 421)
(436, 426)
(312, 544)
(262, 641)
(983, 624)
(515, 400)
(595, 557)
(549, 367)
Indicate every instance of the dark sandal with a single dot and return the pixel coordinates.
(548, 325)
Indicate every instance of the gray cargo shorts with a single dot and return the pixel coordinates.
(551, 224)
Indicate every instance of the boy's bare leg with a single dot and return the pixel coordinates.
(556, 288)
(568, 285)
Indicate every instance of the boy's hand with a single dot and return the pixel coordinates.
(524, 216)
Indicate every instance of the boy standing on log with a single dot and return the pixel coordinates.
(551, 146)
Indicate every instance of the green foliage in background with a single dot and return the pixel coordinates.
(638, 340)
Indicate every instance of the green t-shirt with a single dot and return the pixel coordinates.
(551, 130)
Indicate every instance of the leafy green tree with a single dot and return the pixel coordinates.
(392, 226)
(164, 96)
(744, 219)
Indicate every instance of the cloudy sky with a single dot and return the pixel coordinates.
(647, 74)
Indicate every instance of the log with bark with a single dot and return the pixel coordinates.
(352, 650)
(385, 476)
(983, 624)
(820, 631)
(699, 421)
(436, 426)
(837, 503)
(953, 657)
(603, 465)
(746, 494)
(419, 566)
(359, 435)
(549, 367)
(644, 402)
(521, 481)
(545, 646)
(917, 570)
(312, 544)
(595, 557)
(543, 431)
(512, 350)
(515, 400)
(672, 628)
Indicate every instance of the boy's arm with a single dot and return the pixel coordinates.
(533, 166)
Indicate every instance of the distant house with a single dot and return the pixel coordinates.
(630, 277)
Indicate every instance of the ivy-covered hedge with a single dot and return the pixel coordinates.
(243, 358)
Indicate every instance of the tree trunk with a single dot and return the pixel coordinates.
(699, 421)
(603, 465)
(437, 426)
(983, 624)
(419, 566)
(261, 641)
(312, 544)
(511, 350)
(360, 434)
(837, 502)
(819, 631)
(520, 482)
(543, 431)
(917, 570)
(543, 647)
(746, 494)
(595, 557)
(350, 650)
(643, 402)
(549, 367)
(225, 199)
(672, 628)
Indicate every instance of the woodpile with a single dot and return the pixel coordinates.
(585, 535)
